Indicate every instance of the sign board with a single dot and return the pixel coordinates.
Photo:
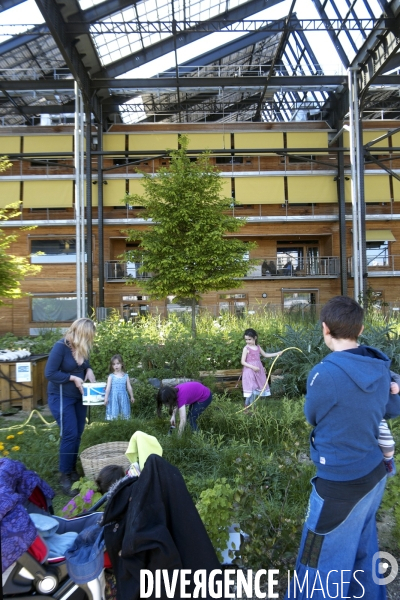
(23, 372)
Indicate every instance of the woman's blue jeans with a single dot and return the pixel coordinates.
(195, 411)
(341, 561)
(71, 421)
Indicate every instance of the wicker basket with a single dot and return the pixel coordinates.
(93, 459)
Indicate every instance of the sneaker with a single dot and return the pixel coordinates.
(65, 482)
(390, 466)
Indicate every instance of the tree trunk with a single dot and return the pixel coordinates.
(193, 317)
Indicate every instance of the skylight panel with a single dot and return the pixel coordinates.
(84, 4)
(20, 18)
(376, 8)
(346, 45)
(112, 47)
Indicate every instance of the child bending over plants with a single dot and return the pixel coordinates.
(193, 394)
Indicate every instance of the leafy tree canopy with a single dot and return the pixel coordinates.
(187, 248)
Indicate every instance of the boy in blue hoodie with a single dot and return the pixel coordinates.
(348, 395)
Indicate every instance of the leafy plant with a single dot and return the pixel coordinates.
(216, 511)
(269, 505)
(86, 497)
(13, 269)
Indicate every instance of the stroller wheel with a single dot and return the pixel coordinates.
(47, 585)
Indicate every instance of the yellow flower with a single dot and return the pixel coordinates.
(20, 432)
(1, 447)
(10, 437)
(15, 448)
(5, 452)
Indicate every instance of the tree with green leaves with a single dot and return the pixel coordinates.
(188, 247)
(13, 269)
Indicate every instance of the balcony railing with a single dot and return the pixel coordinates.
(380, 266)
(116, 270)
(323, 266)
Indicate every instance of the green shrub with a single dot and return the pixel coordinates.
(216, 511)
(40, 344)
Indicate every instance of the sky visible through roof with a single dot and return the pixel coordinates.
(111, 47)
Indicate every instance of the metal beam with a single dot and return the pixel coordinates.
(376, 53)
(220, 23)
(6, 4)
(317, 81)
(292, 81)
(17, 107)
(20, 40)
(137, 59)
(393, 63)
(40, 109)
(67, 46)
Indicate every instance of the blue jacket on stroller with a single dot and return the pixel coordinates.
(27, 570)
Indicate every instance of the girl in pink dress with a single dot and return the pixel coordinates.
(254, 379)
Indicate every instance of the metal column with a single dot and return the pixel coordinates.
(79, 203)
(357, 187)
(342, 219)
(89, 248)
(100, 228)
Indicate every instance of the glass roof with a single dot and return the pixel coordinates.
(323, 37)
(111, 46)
(84, 4)
(14, 20)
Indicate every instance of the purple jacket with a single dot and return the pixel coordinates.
(17, 530)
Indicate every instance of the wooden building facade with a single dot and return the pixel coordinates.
(284, 178)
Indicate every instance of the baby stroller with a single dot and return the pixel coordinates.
(24, 496)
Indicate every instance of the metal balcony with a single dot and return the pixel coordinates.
(277, 267)
(121, 271)
(270, 267)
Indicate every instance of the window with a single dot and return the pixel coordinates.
(54, 309)
(229, 160)
(56, 250)
(377, 254)
(32, 210)
(235, 304)
(184, 305)
(292, 258)
(47, 163)
(135, 307)
(299, 299)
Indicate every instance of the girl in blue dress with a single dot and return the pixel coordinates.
(117, 390)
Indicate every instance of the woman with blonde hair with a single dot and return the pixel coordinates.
(66, 369)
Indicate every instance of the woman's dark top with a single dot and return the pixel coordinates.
(60, 366)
